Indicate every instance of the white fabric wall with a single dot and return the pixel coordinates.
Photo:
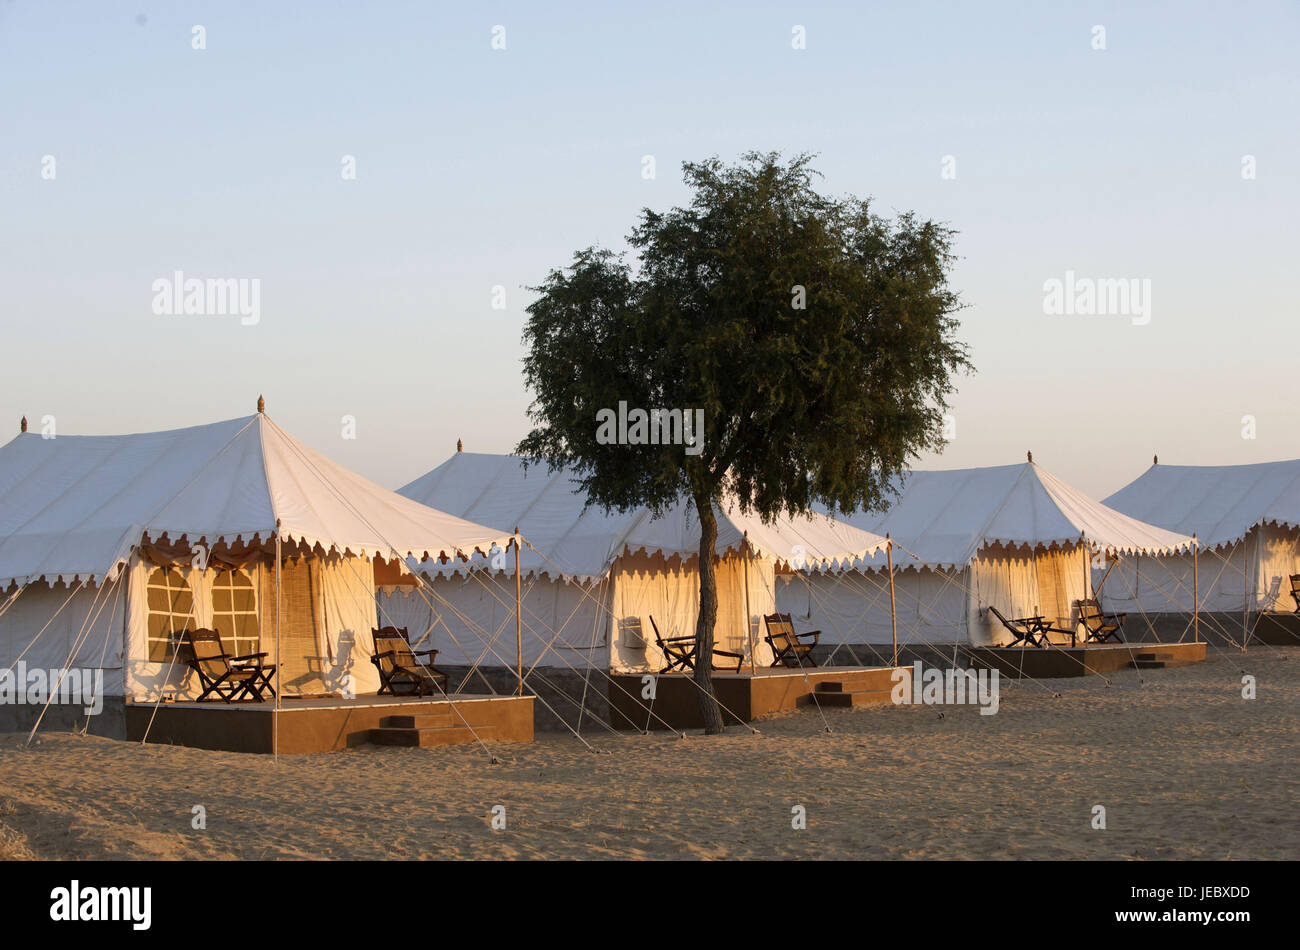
(1020, 584)
(91, 620)
(939, 607)
(1063, 577)
(1278, 558)
(669, 591)
(346, 616)
(853, 608)
(471, 620)
(344, 612)
(573, 626)
(147, 680)
(1145, 584)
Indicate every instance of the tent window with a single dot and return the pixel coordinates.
(171, 610)
(234, 612)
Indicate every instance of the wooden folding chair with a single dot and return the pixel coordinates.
(1100, 626)
(788, 647)
(1024, 629)
(400, 671)
(1295, 591)
(225, 677)
(679, 652)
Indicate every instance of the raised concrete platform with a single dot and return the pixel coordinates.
(324, 725)
(1060, 661)
(744, 696)
(1226, 630)
(1276, 630)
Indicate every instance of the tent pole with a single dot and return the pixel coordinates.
(1245, 585)
(749, 617)
(893, 611)
(519, 619)
(1096, 591)
(1196, 590)
(279, 660)
(1033, 558)
(1087, 579)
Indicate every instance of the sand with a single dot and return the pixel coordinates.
(1184, 766)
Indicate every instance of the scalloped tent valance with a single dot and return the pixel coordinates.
(1220, 503)
(944, 518)
(574, 542)
(75, 507)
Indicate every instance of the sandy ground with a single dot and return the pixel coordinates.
(1184, 766)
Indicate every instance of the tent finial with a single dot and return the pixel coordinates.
(1030, 456)
(460, 446)
(261, 404)
(22, 424)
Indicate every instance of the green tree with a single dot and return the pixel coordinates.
(817, 337)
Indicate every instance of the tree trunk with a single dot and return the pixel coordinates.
(708, 617)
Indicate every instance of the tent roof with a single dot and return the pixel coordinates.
(1220, 503)
(73, 507)
(577, 542)
(945, 517)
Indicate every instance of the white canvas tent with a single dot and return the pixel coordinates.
(1247, 522)
(1013, 536)
(593, 580)
(109, 545)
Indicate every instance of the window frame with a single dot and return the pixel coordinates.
(161, 647)
(234, 644)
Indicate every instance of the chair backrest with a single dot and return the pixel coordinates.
(209, 654)
(1295, 583)
(659, 637)
(1090, 614)
(1004, 621)
(780, 628)
(392, 641)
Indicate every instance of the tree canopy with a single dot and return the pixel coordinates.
(817, 337)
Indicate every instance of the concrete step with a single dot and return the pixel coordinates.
(420, 720)
(1157, 661)
(429, 737)
(849, 700)
(829, 686)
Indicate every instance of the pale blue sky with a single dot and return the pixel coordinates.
(478, 167)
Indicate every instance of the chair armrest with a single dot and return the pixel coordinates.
(248, 656)
(676, 643)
